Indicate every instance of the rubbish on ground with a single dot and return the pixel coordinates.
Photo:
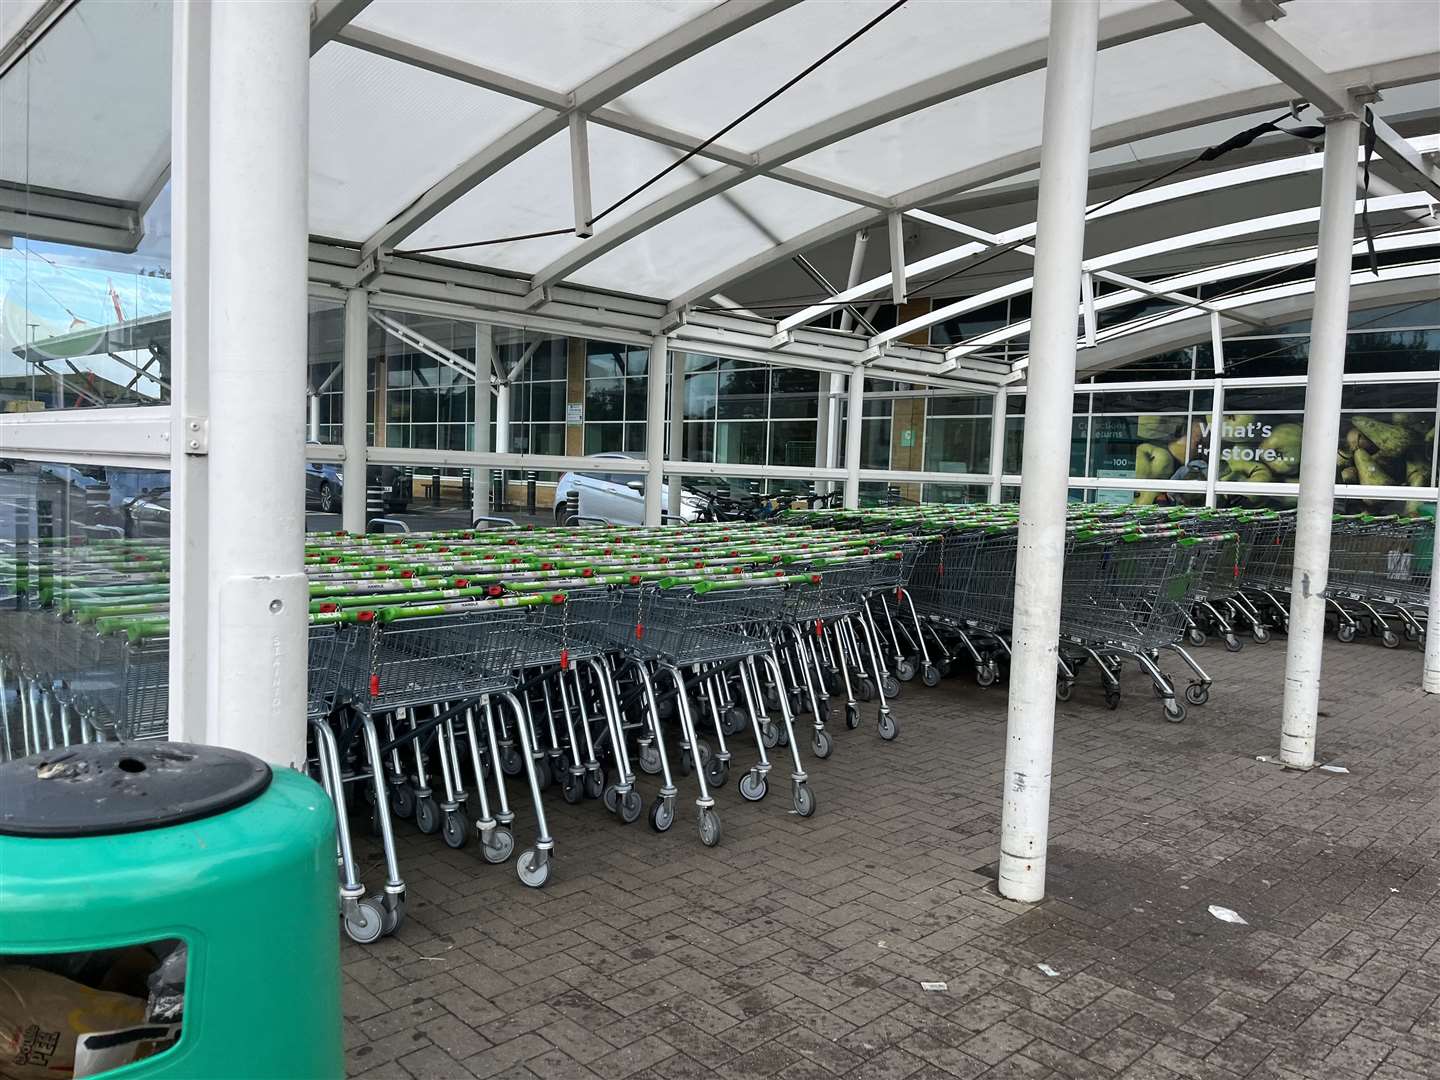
(1224, 914)
(1334, 768)
(1048, 970)
(934, 986)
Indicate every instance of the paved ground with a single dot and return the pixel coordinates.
(797, 948)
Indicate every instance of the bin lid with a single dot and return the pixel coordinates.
(101, 789)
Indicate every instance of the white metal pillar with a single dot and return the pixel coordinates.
(1305, 640)
(354, 388)
(189, 374)
(854, 421)
(1217, 411)
(997, 444)
(655, 425)
(832, 385)
(1431, 681)
(258, 594)
(484, 364)
(677, 432)
(502, 417)
(1059, 248)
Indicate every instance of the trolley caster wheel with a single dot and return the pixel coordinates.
(945, 667)
(885, 725)
(365, 923)
(798, 705)
(649, 759)
(1390, 639)
(594, 783)
(905, 669)
(1232, 643)
(1197, 693)
(373, 820)
(709, 827)
(769, 734)
(666, 708)
(533, 868)
(630, 806)
(782, 736)
(716, 771)
(732, 721)
(1174, 712)
(852, 715)
(890, 685)
(1112, 699)
(402, 800)
(1346, 633)
(1063, 691)
(930, 675)
(498, 846)
(427, 814)
(684, 766)
(611, 798)
(1411, 633)
(455, 830)
(803, 799)
(1196, 636)
(510, 763)
(753, 786)
(1260, 634)
(865, 689)
(662, 814)
(772, 699)
(572, 787)
(822, 744)
(985, 675)
(390, 917)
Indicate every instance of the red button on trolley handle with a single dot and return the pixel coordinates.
(564, 659)
(374, 685)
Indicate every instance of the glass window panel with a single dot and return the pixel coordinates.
(959, 405)
(604, 361)
(1257, 358)
(604, 400)
(547, 439)
(742, 391)
(792, 442)
(637, 362)
(549, 361)
(957, 444)
(635, 437)
(1396, 350)
(794, 393)
(954, 493)
(635, 394)
(548, 402)
(700, 396)
(699, 441)
(741, 443)
(604, 438)
(1133, 401)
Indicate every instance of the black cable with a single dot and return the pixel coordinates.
(766, 100)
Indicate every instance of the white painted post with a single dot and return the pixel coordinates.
(1306, 637)
(502, 417)
(1059, 244)
(677, 431)
(1431, 680)
(1217, 411)
(997, 444)
(354, 390)
(312, 416)
(484, 364)
(854, 418)
(655, 426)
(832, 385)
(189, 373)
(258, 594)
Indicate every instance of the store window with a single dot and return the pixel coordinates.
(615, 378)
(957, 435)
(325, 372)
(537, 393)
(740, 413)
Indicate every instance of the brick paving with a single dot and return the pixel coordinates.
(797, 948)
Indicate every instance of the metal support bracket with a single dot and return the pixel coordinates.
(197, 435)
(536, 298)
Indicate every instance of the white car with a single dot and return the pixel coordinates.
(609, 496)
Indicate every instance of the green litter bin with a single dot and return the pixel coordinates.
(116, 854)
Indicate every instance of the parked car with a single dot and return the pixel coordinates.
(609, 495)
(148, 514)
(325, 486)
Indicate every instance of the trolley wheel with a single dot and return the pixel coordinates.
(543, 776)
(498, 847)
(803, 798)
(1197, 693)
(946, 665)
(709, 826)
(852, 715)
(1063, 690)
(985, 675)
(769, 734)
(885, 725)
(865, 688)
(365, 924)
(1346, 632)
(649, 759)
(402, 800)
(572, 787)
(662, 814)
(455, 830)
(427, 814)
(732, 720)
(1112, 699)
(930, 675)
(782, 735)
(1261, 634)
(1174, 711)
(611, 797)
(1196, 636)
(510, 763)
(1390, 639)
(390, 917)
(822, 744)
(684, 766)
(533, 868)
(717, 771)
(1232, 643)
(772, 698)
(630, 807)
(1411, 633)
(373, 820)
(890, 685)
(594, 783)
(753, 786)
(905, 668)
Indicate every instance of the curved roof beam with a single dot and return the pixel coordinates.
(1115, 30)
(723, 21)
(1227, 106)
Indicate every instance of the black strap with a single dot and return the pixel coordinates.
(1365, 203)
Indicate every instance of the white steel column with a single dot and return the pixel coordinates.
(677, 431)
(655, 425)
(484, 364)
(189, 375)
(258, 594)
(354, 389)
(997, 444)
(832, 385)
(1217, 411)
(502, 417)
(1059, 248)
(854, 419)
(1431, 681)
(1306, 635)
